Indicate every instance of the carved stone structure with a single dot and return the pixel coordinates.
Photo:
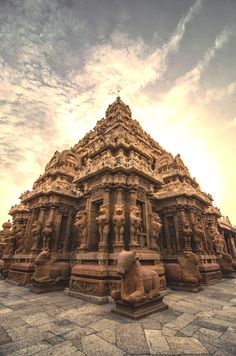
(138, 295)
(115, 189)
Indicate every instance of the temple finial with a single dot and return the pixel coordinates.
(118, 94)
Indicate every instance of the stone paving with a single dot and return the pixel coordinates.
(55, 324)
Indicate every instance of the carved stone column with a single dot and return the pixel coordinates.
(103, 221)
(119, 221)
(186, 230)
(135, 220)
(68, 227)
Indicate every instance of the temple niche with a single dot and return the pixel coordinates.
(116, 189)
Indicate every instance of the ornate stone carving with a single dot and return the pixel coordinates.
(36, 233)
(48, 233)
(135, 221)
(81, 227)
(156, 227)
(198, 237)
(187, 234)
(103, 225)
(119, 221)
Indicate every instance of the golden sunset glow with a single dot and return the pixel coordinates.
(178, 80)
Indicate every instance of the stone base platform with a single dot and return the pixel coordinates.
(188, 287)
(88, 298)
(21, 273)
(139, 310)
(49, 287)
(209, 269)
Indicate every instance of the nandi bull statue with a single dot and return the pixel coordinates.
(185, 274)
(50, 274)
(139, 293)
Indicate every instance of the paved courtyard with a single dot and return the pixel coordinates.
(55, 324)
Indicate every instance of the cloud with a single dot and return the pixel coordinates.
(54, 92)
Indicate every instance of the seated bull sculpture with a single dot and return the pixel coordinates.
(226, 265)
(185, 271)
(137, 282)
(49, 270)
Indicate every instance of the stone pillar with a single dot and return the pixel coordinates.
(168, 245)
(104, 226)
(119, 221)
(186, 230)
(133, 234)
(56, 228)
(68, 226)
(178, 247)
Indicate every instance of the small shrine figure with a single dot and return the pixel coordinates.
(119, 220)
(81, 227)
(187, 233)
(35, 233)
(20, 233)
(156, 227)
(103, 223)
(135, 222)
(48, 232)
(198, 237)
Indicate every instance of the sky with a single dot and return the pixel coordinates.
(62, 62)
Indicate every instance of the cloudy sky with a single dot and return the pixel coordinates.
(62, 62)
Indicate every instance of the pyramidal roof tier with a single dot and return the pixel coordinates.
(117, 142)
(118, 108)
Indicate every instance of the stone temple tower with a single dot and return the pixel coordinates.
(115, 189)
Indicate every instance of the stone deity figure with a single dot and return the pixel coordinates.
(20, 233)
(48, 232)
(219, 242)
(119, 220)
(135, 222)
(211, 238)
(156, 227)
(198, 237)
(11, 241)
(35, 233)
(81, 227)
(103, 224)
(187, 233)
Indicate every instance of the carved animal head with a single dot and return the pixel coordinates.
(192, 257)
(41, 258)
(126, 261)
(119, 209)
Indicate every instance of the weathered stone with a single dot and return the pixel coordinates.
(180, 322)
(186, 345)
(94, 345)
(125, 336)
(157, 343)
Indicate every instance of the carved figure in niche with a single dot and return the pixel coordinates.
(11, 241)
(186, 270)
(81, 227)
(1, 268)
(35, 233)
(219, 242)
(135, 221)
(103, 224)
(156, 227)
(49, 269)
(187, 233)
(226, 265)
(48, 232)
(119, 220)
(198, 237)
(137, 282)
(211, 238)
(20, 233)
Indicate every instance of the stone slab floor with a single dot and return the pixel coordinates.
(55, 324)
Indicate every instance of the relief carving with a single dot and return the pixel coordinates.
(81, 227)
